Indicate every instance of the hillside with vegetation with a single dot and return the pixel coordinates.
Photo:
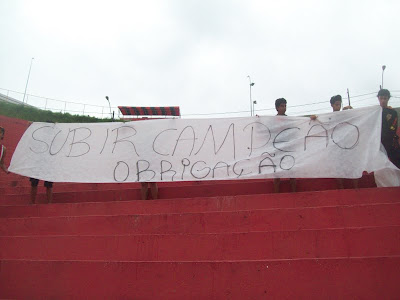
(30, 113)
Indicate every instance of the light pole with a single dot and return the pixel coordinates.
(109, 105)
(251, 102)
(29, 73)
(254, 103)
(383, 69)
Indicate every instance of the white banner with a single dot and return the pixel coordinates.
(336, 145)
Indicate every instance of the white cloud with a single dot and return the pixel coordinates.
(197, 54)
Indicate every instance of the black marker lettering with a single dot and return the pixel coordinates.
(260, 165)
(346, 130)
(185, 163)
(241, 171)
(52, 142)
(139, 171)
(166, 171)
(125, 138)
(200, 161)
(225, 165)
(193, 139)
(104, 142)
(79, 142)
(252, 136)
(316, 136)
(279, 142)
(210, 129)
(287, 162)
(126, 171)
(41, 141)
(155, 139)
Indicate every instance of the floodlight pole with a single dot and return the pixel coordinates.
(251, 102)
(26, 86)
(383, 69)
(254, 103)
(109, 105)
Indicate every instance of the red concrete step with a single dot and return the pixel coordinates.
(7, 183)
(66, 187)
(168, 192)
(8, 179)
(342, 278)
(349, 242)
(203, 204)
(13, 180)
(208, 222)
(21, 185)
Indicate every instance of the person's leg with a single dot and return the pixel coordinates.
(34, 185)
(33, 194)
(49, 191)
(277, 182)
(154, 190)
(340, 183)
(293, 184)
(49, 195)
(355, 183)
(143, 190)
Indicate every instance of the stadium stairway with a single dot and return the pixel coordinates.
(200, 240)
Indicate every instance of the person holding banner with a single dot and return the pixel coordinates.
(336, 103)
(2, 151)
(280, 105)
(47, 184)
(389, 138)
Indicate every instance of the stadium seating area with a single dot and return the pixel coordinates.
(201, 240)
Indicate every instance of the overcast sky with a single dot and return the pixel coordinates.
(198, 54)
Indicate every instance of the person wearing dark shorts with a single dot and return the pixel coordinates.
(34, 188)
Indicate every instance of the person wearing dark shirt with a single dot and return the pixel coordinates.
(280, 105)
(336, 103)
(389, 138)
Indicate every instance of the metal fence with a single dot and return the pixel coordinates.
(102, 112)
(56, 105)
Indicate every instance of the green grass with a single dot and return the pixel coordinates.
(33, 114)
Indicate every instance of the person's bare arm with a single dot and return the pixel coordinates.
(2, 166)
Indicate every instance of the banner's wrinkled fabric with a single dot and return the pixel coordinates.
(336, 145)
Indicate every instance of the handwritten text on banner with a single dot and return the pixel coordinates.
(340, 144)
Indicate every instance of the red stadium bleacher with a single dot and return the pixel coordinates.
(173, 111)
(201, 240)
